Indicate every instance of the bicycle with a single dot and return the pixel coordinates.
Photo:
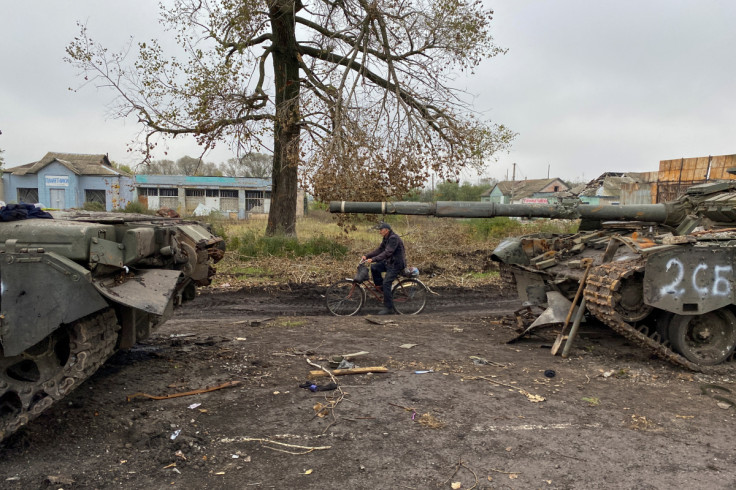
(347, 296)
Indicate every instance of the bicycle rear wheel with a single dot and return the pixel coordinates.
(410, 297)
(345, 298)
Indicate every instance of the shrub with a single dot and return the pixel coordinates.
(93, 206)
(136, 207)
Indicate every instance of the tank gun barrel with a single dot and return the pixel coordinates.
(660, 213)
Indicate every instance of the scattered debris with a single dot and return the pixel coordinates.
(407, 346)
(345, 364)
(375, 321)
(640, 422)
(424, 371)
(313, 387)
(193, 406)
(429, 420)
(228, 384)
(267, 442)
(175, 434)
(58, 480)
(712, 390)
(483, 361)
(550, 373)
(456, 485)
(592, 401)
(530, 396)
(342, 372)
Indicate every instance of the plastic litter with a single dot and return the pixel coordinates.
(550, 373)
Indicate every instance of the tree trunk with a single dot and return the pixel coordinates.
(282, 216)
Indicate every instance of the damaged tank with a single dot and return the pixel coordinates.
(78, 287)
(661, 275)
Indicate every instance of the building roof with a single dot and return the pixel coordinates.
(80, 164)
(607, 185)
(519, 189)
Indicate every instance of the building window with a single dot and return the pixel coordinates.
(212, 192)
(148, 191)
(28, 195)
(229, 193)
(557, 188)
(168, 192)
(194, 192)
(94, 195)
(254, 201)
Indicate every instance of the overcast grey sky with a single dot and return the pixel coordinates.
(590, 86)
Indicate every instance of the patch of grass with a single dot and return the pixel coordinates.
(591, 400)
(483, 229)
(250, 244)
(291, 323)
(485, 275)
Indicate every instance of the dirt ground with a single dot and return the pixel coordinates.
(611, 417)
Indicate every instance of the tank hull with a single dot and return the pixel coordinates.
(78, 287)
(661, 275)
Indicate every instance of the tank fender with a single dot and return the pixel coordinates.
(690, 280)
(39, 291)
(150, 290)
(510, 251)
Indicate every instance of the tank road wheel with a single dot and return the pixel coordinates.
(345, 298)
(629, 299)
(704, 339)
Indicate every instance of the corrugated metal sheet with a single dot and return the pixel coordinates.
(675, 176)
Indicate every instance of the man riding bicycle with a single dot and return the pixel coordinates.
(390, 258)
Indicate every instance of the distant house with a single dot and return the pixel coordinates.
(617, 188)
(68, 180)
(530, 191)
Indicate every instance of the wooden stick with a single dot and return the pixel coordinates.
(186, 393)
(340, 372)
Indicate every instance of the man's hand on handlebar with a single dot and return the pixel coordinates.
(364, 260)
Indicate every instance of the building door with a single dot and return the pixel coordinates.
(57, 198)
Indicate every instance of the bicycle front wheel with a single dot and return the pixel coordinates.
(345, 298)
(410, 297)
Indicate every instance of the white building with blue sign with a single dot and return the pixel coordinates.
(68, 180)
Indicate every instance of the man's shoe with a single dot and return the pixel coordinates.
(386, 311)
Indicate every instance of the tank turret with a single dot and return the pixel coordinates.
(660, 274)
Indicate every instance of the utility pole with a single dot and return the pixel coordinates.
(548, 171)
(513, 175)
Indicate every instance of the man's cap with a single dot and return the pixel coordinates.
(382, 225)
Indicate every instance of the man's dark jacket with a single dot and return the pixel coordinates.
(391, 250)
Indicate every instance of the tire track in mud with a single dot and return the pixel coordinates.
(308, 300)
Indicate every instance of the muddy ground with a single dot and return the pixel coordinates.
(611, 417)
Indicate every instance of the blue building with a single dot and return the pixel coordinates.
(68, 180)
(233, 197)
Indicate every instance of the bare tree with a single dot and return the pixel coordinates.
(250, 165)
(185, 165)
(361, 104)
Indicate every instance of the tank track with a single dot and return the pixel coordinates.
(44, 374)
(603, 282)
